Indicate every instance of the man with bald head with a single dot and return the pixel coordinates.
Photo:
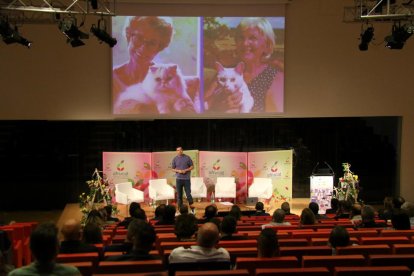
(205, 250)
(71, 231)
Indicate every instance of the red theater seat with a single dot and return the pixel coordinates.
(130, 266)
(276, 262)
(237, 272)
(331, 261)
(364, 249)
(305, 271)
(392, 260)
(372, 270)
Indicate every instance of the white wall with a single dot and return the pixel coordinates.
(326, 74)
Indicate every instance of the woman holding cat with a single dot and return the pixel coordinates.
(146, 37)
(255, 41)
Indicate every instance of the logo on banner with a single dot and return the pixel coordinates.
(274, 170)
(120, 167)
(216, 165)
(216, 169)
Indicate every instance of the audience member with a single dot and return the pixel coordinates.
(260, 210)
(44, 246)
(235, 212)
(71, 231)
(385, 213)
(183, 209)
(142, 235)
(315, 209)
(210, 212)
(408, 207)
(400, 220)
(185, 227)
(159, 211)
(368, 218)
(344, 209)
(95, 217)
(168, 217)
(355, 215)
(286, 207)
(277, 220)
(109, 211)
(307, 217)
(229, 229)
(92, 233)
(267, 244)
(339, 237)
(205, 250)
(398, 202)
(334, 206)
(132, 207)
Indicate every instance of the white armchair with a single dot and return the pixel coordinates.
(225, 187)
(125, 193)
(160, 190)
(261, 188)
(198, 188)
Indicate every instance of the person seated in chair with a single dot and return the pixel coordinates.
(205, 250)
(339, 236)
(229, 228)
(315, 209)
(286, 207)
(142, 236)
(44, 245)
(368, 218)
(186, 227)
(210, 212)
(109, 217)
(168, 217)
(71, 231)
(132, 207)
(260, 210)
(267, 244)
(278, 219)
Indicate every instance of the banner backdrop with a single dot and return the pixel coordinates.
(161, 164)
(321, 189)
(222, 164)
(128, 166)
(276, 165)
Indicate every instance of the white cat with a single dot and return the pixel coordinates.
(230, 80)
(163, 87)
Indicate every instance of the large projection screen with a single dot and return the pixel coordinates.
(190, 67)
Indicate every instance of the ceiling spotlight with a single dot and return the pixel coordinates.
(366, 37)
(398, 37)
(10, 35)
(102, 35)
(72, 32)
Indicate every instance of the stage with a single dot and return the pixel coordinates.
(73, 211)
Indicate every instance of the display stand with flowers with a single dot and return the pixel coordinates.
(99, 195)
(348, 186)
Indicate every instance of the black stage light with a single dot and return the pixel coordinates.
(72, 32)
(366, 38)
(398, 37)
(102, 35)
(10, 35)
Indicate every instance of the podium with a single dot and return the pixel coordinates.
(321, 187)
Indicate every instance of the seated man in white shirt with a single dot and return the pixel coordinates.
(205, 250)
(278, 219)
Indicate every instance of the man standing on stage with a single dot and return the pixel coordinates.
(182, 166)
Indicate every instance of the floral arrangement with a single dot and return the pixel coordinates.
(348, 187)
(99, 195)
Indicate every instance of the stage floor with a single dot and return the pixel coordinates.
(73, 211)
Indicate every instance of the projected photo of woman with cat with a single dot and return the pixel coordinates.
(243, 64)
(155, 65)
